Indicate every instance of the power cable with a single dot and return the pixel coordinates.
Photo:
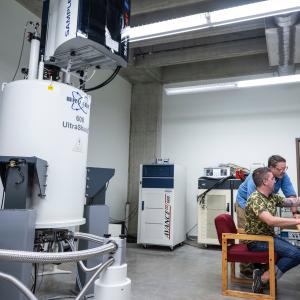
(87, 80)
(78, 281)
(200, 198)
(123, 222)
(22, 47)
(187, 233)
(104, 83)
(2, 199)
(22, 177)
(192, 228)
(42, 277)
(132, 214)
(35, 278)
(4, 186)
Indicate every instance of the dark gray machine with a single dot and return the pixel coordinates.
(76, 35)
(18, 176)
(20, 223)
(96, 214)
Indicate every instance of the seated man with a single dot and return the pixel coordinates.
(260, 213)
(278, 167)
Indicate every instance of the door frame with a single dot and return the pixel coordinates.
(298, 163)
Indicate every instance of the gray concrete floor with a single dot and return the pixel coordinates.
(186, 273)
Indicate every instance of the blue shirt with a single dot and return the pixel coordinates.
(248, 187)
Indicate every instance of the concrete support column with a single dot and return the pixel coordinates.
(145, 139)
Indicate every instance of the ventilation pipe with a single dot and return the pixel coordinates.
(286, 43)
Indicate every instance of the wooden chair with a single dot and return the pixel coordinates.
(238, 253)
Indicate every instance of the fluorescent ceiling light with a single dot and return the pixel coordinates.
(232, 85)
(200, 88)
(212, 19)
(268, 81)
(170, 27)
(253, 11)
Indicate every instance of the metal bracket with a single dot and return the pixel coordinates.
(96, 181)
(35, 165)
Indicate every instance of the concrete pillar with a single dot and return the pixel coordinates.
(145, 139)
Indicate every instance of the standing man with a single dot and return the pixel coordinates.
(260, 213)
(278, 167)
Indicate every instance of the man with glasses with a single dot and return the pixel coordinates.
(278, 167)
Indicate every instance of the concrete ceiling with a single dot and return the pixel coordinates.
(231, 50)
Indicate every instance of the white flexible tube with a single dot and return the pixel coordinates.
(92, 279)
(90, 237)
(41, 257)
(19, 285)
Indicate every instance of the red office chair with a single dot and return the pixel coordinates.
(239, 253)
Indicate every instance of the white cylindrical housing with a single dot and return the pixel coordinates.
(113, 284)
(49, 120)
(34, 59)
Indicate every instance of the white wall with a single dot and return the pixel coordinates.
(110, 113)
(238, 126)
(109, 137)
(13, 18)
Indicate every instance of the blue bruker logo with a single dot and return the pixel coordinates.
(68, 17)
(79, 102)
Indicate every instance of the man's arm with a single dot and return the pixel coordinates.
(291, 202)
(288, 190)
(294, 209)
(287, 187)
(267, 218)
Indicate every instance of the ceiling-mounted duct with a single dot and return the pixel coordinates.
(282, 35)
